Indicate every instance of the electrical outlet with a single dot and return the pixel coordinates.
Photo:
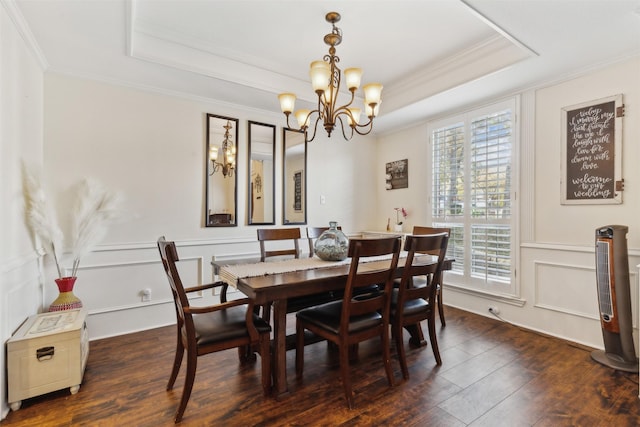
(146, 295)
(494, 310)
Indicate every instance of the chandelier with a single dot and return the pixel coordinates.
(228, 163)
(326, 79)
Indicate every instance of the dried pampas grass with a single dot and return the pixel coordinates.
(40, 216)
(94, 209)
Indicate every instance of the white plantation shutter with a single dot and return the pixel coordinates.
(471, 194)
(448, 186)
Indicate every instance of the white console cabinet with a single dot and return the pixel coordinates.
(47, 353)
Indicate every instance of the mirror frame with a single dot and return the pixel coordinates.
(207, 221)
(250, 136)
(286, 201)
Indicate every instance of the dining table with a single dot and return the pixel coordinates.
(276, 282)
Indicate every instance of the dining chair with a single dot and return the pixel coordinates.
(202, 330)
(312, 234)
(410, 302)
(355, 318)
(418, 229)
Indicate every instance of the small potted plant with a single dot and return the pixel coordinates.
(401, 214)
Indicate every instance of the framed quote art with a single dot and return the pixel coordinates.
(592, 152)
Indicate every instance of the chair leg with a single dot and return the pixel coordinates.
(192, 363)
(299, 349)
(386, 354)
(434, 340)
(344, 374)
(177, 362)
(266, 312)
(402, 357)
(440, 307)
(265, 358)
(246, 354)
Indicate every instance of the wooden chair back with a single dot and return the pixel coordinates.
(355, 303)
(434, 244)
(275, 234)
(420, 230)
(169, 256)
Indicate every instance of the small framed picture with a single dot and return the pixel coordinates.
(397, 174)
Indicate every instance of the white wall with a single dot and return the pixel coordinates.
(556, 260)
(151, 146)
(20, 138)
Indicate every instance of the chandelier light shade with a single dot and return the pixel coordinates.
(326, 78)
(228, 162)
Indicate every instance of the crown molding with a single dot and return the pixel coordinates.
(14, 13)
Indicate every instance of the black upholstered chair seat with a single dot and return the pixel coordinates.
(327, 316)
(411, 307)
(225, 325)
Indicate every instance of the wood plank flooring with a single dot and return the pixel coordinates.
(493, 374)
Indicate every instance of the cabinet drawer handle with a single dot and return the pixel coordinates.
(45, 353)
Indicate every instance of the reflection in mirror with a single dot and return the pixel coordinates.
(221, 181)
(294, 177)
(262, 150)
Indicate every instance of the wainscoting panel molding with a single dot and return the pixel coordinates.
(570, 289)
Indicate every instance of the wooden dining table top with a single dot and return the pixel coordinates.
(272, 287)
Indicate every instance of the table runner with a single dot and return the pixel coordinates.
(231, 273)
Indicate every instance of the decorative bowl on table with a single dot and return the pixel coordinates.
(332, 245)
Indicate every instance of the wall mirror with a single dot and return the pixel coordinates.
(294, 177)
(261, 192)
(221, 180)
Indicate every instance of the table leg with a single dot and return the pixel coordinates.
(417, 337)
(280, 348)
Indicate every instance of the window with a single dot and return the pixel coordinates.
(472, 157)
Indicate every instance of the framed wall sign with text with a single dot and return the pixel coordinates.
(592, 152)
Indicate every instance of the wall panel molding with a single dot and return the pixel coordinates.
(571, 248)
(582, 300)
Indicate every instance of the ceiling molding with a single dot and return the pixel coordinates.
(487, 57)
(223, 105)
(25, 32)
(499, 29)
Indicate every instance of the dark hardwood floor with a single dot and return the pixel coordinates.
(493, 374)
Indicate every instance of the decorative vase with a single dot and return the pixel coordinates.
(333, 244)
(397, 228)
(66, 299)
